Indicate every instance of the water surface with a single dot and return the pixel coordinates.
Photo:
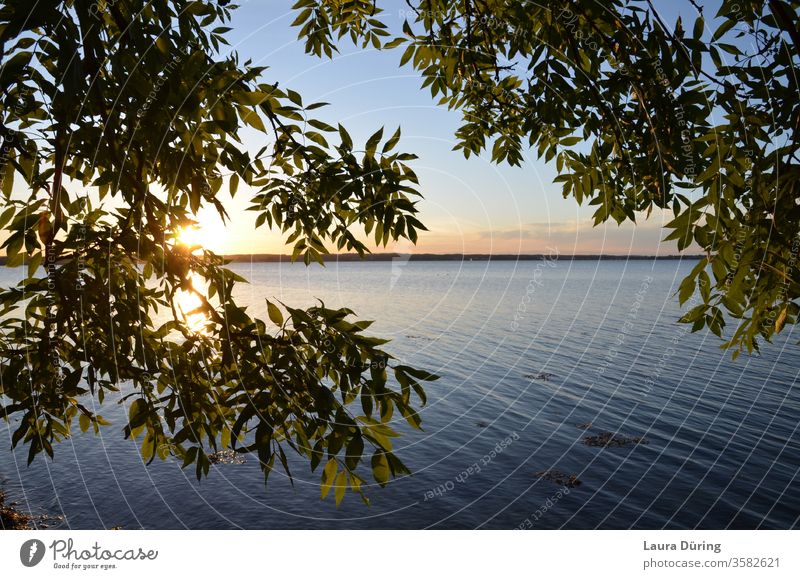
(527, 351)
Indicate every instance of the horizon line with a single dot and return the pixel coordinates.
(386, 256)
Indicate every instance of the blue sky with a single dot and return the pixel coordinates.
(470, 205)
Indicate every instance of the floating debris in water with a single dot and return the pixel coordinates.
(544, 376)
(226, 457)
(482, 424)
(613, 439)
(46, 521)
(559, 478)
(416, 337)
(584, 426)
(12, 519)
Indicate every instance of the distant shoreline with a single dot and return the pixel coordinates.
(354, 257)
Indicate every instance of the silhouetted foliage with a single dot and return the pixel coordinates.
(120, 121)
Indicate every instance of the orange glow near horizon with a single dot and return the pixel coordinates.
(238, 236)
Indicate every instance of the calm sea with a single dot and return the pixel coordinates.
(527, 351)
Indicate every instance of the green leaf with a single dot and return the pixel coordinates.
(705, 286)
(148, 448)
(355, 448)
(407, 54)
(392, 142)
(780, 321)
(341, 487)
(252, 118)
(723, 28)
(250, 98)
(137, 407)
(162, 44)
(347, 142)
(373, 141)
(274, 313)
(328, 476)
(7, 214)
(380, 468)
(699, 26)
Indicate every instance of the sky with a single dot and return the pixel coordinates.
(469, 206)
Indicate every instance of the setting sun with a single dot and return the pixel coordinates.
(190, 236)
(208, 232)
